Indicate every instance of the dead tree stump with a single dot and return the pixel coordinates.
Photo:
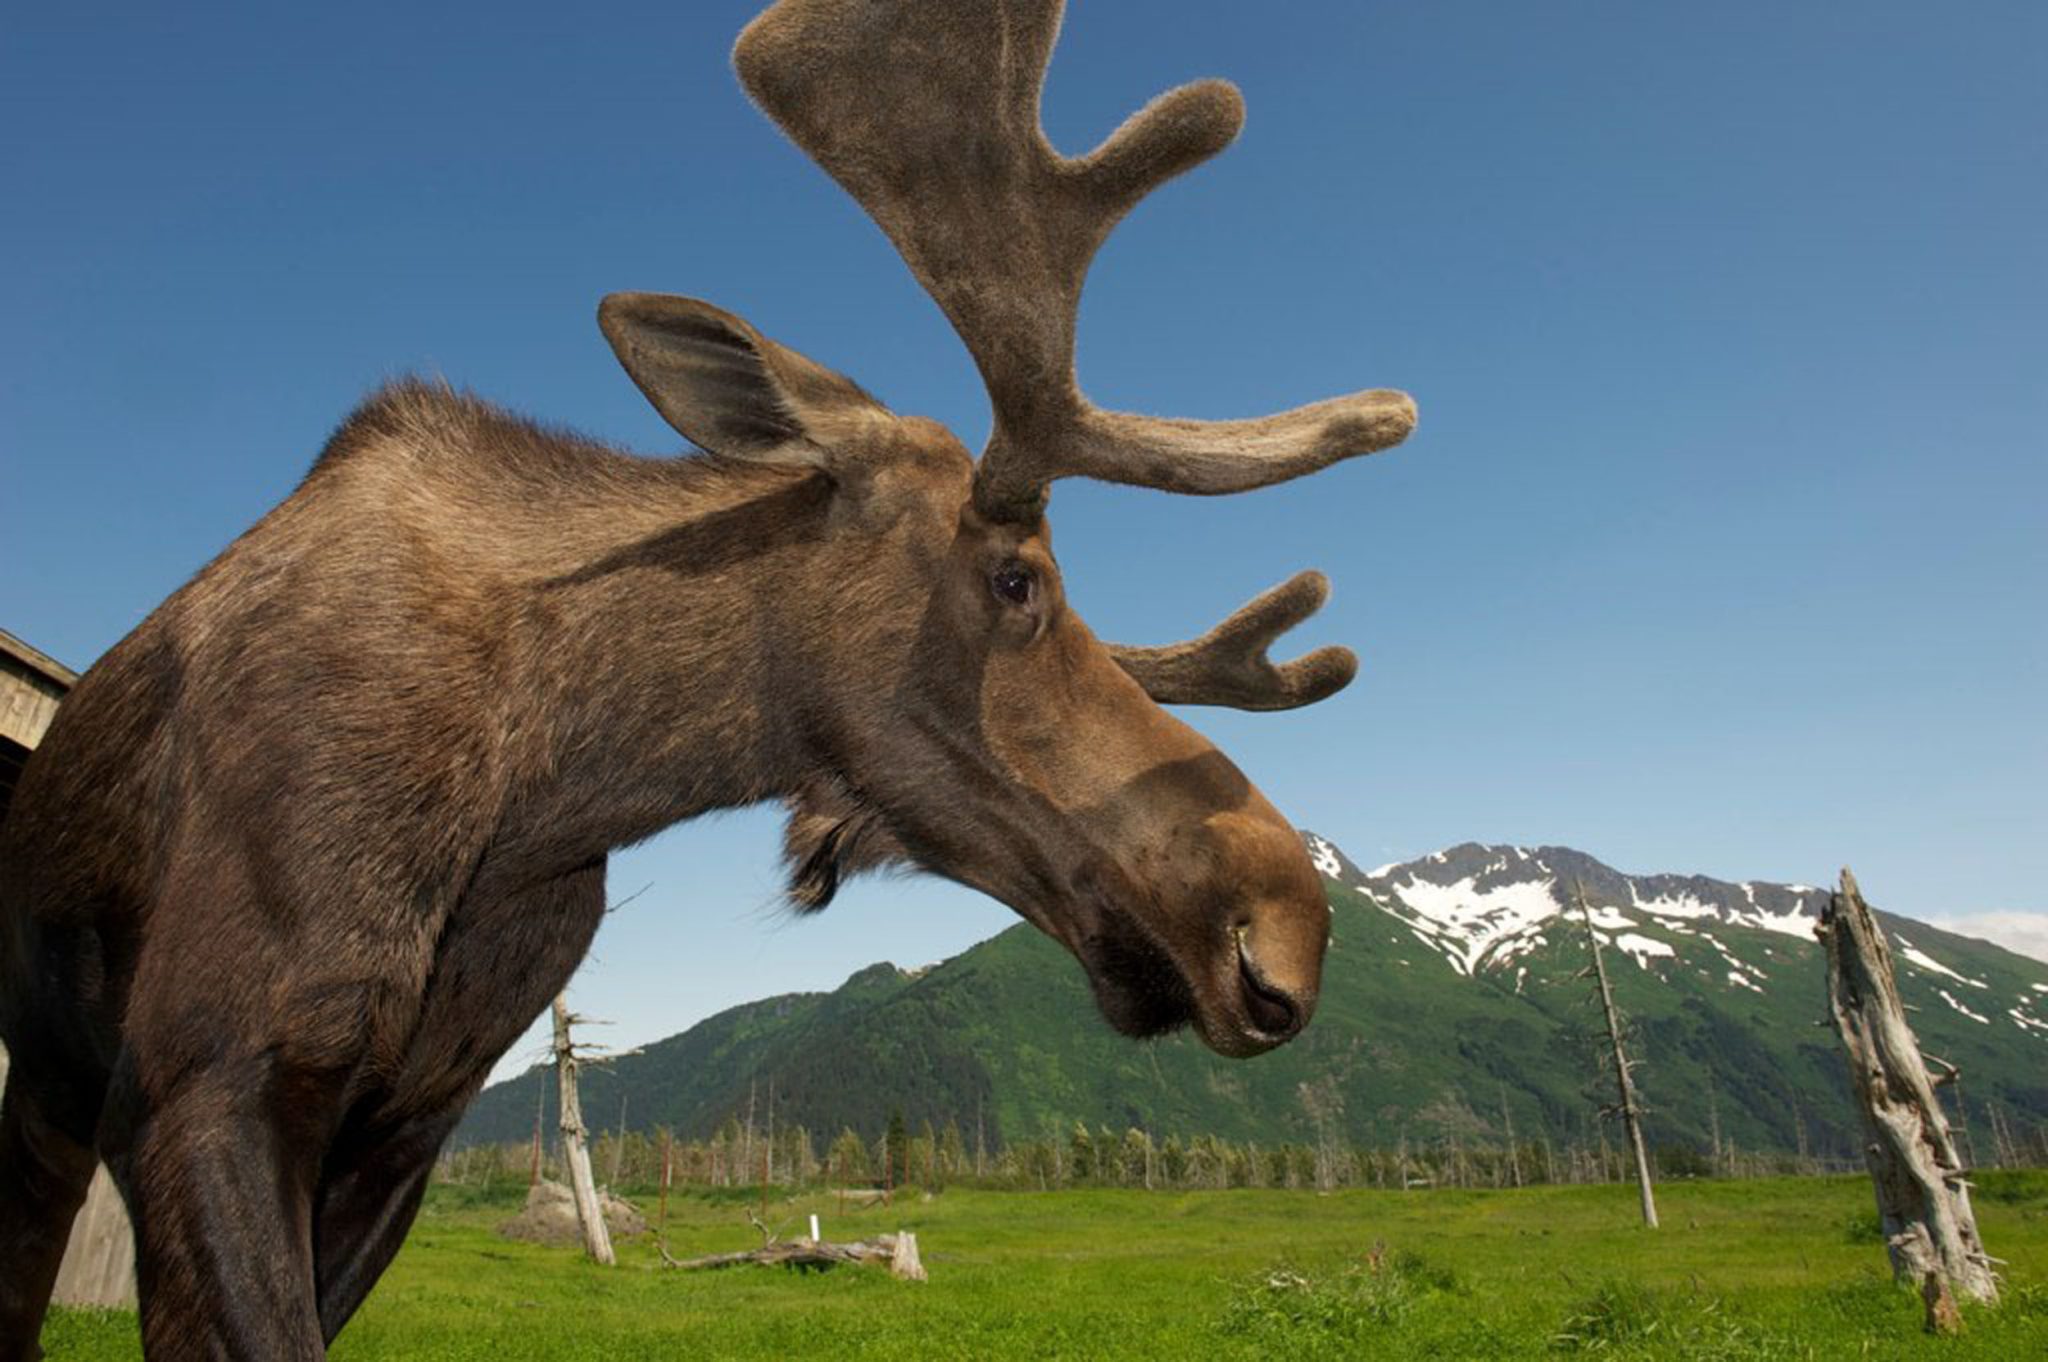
(1923, 1198)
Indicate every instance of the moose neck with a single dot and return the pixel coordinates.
(641, 599)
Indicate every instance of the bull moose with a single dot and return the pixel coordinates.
(304, 853)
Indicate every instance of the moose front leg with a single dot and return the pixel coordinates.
(500, 959)
(369, 1194)
(218, 1162)
(219, 1176)
(46, 1161)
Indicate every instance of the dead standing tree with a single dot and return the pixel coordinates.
(1625, 1087)
(597, 1237)
(1923, 1199)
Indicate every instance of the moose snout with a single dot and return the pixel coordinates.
(1274, 1011)
(1273, 974)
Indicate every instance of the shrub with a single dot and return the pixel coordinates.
(1289, 1306)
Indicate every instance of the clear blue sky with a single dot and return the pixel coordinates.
(1720, 547)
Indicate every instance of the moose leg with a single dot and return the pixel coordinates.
(46, 1160)
(500, 960)
(219, 1175)
(368, 1198)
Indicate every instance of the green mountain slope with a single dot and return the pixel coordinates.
(1450, 996)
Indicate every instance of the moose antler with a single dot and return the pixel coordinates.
(928, 115)
(1228, 665)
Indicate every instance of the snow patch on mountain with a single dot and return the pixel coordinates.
(1928, 962)
(1950, 999)
(1464, 922)
(1643, 948)
(1791, 922)
(1512, 913)
(1677, 905)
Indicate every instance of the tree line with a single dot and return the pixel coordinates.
(925, 1158)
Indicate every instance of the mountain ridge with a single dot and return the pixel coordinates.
(1451, 1007)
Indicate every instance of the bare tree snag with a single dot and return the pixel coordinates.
(1631, 1111)
(597, 1238)
(1923, 1200)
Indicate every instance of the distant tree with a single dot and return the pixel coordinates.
(926, 1146)
(952, 1152)
(727, 1151)
(1301, 1167)
(1279, 1160)
(1324, 1103)
(1134, 1158)
(1240, 1165)
(1173, 1162)
(798, 1156)
(1081, 1161)
(896, 1149)
(848, 1157)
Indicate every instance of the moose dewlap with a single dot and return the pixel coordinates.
(305, 852)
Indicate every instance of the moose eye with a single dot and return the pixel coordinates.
(1012, 584)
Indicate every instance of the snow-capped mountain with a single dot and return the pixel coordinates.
(1488, 909)
(1453, 1005)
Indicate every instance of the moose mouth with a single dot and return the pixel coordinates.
(1142, 992)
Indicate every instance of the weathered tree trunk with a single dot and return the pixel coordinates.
(597, 1237)
(1631, 1112)
(1923, 1200)
(897, 1252)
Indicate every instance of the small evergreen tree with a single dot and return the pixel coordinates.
(896, 1149)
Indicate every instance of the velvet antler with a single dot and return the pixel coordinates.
(927, 113)
(1228, 665)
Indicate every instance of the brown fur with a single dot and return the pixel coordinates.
(304, 853)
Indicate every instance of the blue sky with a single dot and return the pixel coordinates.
(1719, 548)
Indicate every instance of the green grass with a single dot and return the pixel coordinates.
(1743, 1270)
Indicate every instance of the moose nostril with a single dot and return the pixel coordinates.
(1272, 1011)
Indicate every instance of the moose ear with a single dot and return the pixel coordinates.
(724, 385)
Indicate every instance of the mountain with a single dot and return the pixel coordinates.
(1451, 1001)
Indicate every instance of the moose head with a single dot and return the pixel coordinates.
(966, 719)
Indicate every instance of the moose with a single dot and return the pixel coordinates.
(304, 853)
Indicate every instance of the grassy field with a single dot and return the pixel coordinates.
(1772, 1269)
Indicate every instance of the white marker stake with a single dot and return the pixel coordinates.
(814, 1229)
